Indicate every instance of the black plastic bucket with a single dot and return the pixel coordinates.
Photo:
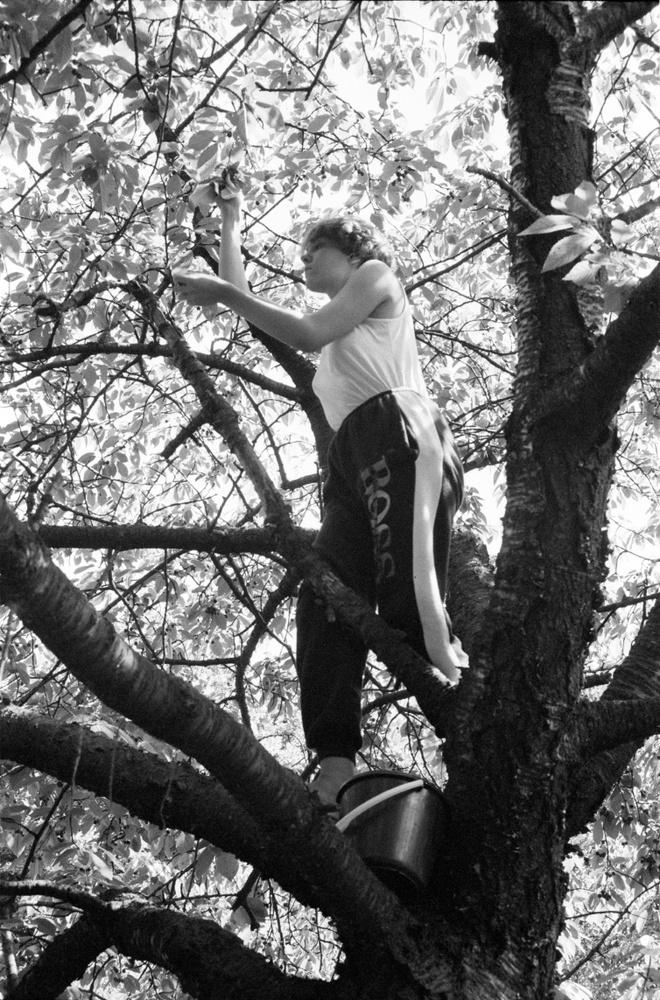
(398, 837)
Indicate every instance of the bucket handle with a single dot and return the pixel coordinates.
(409, 786)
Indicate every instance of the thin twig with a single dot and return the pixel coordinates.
(627, 602)
(185, 122)
(483, 245)
(354, 4)
(509, 188)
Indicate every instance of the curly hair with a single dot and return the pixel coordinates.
(355, 237)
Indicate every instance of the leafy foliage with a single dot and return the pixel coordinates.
(115, 136)
(602, 266)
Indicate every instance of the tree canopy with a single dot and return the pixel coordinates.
(160, 484)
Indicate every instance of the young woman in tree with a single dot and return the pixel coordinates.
(395, 480)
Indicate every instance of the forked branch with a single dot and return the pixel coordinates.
(603, 23)
(165, 793)
(207, 959)
(606, 725)
(593, 392)
(636, 679)
(62, 962)
(176, 712)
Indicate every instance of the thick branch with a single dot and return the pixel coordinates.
(606, 725)
(637, 678)
(429, 686)
(554, 19)
(42, 44)
(62, 962)
(120, 537)
(165, 793)
(469, 585)
(595, 390)
(207, 959)
(602, 24)
(174, 711)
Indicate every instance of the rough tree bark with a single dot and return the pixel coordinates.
(509, 776)
(527, 762)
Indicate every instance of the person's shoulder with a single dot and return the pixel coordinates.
(377, 272)
(376, 268)
(379, 281)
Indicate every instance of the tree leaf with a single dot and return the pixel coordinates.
(587, 192)
(551, 224)
(620, 232)
(583, 272)
(572, 991)
(570, 247)
(578, 202)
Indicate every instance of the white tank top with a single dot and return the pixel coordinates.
(376, 356)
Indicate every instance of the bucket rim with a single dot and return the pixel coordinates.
(405, 776)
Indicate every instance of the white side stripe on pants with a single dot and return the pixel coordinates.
(445, 652)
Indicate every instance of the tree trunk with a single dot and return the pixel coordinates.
(513, 729)
(509, 785)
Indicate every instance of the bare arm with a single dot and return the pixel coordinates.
(231, 259)
(370, 285)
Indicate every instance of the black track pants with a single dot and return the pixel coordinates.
(394, 484)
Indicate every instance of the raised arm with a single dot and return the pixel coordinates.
(231, 212)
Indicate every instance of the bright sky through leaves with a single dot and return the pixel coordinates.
(107, 157)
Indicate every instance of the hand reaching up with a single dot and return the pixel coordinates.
(231, 194)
